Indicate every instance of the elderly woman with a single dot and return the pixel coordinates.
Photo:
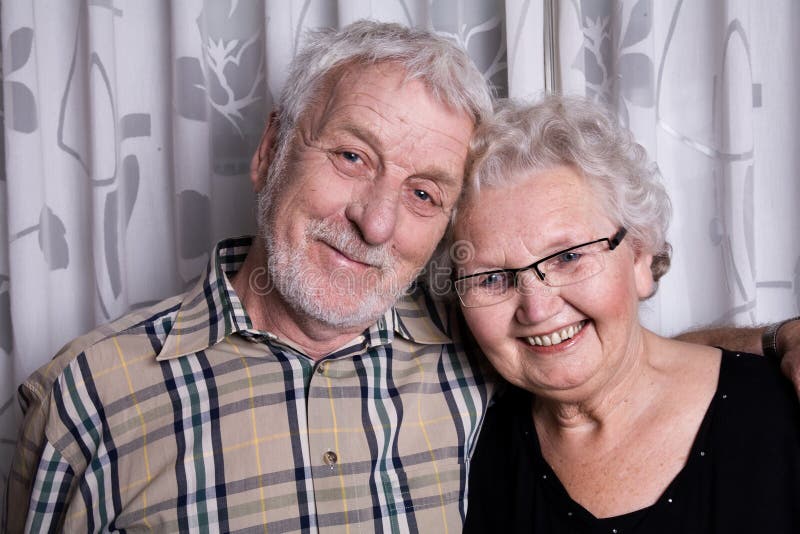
(607, 427)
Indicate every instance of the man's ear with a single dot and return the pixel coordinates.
(265, 153)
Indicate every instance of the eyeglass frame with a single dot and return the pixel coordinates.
(613, 242)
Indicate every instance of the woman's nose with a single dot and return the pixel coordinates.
(536, 302)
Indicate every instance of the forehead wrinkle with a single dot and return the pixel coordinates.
(364, 100)
(333, 99)
(498, 247)
(490, 247)
(400, 115)
(340, 119)
(342, 88)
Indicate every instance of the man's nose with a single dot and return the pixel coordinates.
(536, 302)
(374, 211)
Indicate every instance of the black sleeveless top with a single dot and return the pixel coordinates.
(742, 474)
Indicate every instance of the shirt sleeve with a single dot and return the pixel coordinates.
(24, 465)
(51, 491)
(40, 478)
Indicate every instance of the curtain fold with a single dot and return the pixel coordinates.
(128, 127)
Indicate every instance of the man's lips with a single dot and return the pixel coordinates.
(347, 243)
(350, 257)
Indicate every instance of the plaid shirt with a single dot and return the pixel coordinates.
(184, 418)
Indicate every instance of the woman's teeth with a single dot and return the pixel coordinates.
(557, 337)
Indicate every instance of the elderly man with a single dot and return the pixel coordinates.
(285, 392)
(289, 390)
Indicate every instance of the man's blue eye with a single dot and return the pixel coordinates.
(422, 195)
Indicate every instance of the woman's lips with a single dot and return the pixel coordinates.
(557, 337)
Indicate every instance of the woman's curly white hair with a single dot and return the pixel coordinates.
(563, 130)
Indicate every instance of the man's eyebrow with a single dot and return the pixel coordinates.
(365, 135)
(442, 177)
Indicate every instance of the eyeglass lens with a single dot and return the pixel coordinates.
(567, 267)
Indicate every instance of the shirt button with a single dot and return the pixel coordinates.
(322, 368)
(330, 458)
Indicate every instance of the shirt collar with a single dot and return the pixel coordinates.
(419, 318)
(211, 311)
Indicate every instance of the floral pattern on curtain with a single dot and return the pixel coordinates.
(701, 87)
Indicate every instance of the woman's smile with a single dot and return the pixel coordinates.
(557, 338)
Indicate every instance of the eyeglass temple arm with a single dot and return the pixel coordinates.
(617, 238)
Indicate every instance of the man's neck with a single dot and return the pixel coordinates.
(269, 313)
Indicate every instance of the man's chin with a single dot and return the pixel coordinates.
(345, 313)
(337, 299)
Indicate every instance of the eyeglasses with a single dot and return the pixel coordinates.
(569, 266)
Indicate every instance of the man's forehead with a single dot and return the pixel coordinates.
(384, 84)
(362, 74)
(368, 104)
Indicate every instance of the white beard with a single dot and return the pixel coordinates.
(327, 297)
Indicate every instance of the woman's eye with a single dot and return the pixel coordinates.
(569, 257)
(492, 280)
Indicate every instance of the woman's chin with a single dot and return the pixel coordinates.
(558, 384)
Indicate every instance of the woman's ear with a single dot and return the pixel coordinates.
(645, 285)
(265, 153)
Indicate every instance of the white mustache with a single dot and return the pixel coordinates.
(344, 239)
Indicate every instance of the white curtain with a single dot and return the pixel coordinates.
(128, 127)
(711, 90)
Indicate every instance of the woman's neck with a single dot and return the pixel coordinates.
(617, 449)
(611, 402)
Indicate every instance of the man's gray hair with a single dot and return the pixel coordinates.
(439, 62)
(561, 130)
